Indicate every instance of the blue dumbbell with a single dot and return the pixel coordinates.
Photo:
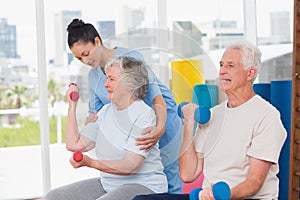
(221, 191)
(201, 115)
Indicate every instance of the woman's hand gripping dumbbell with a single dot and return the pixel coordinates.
(74, 95)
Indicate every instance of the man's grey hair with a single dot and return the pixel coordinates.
(251, 55)
(134, 75)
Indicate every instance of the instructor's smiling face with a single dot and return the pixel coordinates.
(87, 53)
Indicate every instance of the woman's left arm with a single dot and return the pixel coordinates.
(127, 166)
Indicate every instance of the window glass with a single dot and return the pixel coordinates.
(166, 32)
(20, 169)
(275, 36)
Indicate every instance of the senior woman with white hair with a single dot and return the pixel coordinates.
(125, 170)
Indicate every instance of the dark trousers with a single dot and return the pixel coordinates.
(162, 196)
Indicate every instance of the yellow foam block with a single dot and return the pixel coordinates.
(185, 75)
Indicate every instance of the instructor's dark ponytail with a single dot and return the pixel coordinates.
(80, 31)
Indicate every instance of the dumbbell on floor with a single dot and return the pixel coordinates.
(221, 191)
(201, 115)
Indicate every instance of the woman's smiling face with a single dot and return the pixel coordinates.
(87, 53)
(115, 88)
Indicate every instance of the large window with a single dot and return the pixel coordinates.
(164, 31)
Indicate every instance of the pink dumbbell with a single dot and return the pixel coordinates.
(77, 156)
(74, 96)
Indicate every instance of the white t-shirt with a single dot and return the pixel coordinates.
(114, 133)
(233, 135)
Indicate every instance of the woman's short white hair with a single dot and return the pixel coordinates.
(134, 74)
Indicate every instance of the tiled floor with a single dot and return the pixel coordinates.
(21, 171)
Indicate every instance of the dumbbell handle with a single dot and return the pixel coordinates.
(201, 114)
(77, 156)
(74, 96)
(221, 191)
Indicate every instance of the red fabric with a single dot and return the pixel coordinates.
(188, 187)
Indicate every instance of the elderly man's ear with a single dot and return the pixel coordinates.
(251, 73)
